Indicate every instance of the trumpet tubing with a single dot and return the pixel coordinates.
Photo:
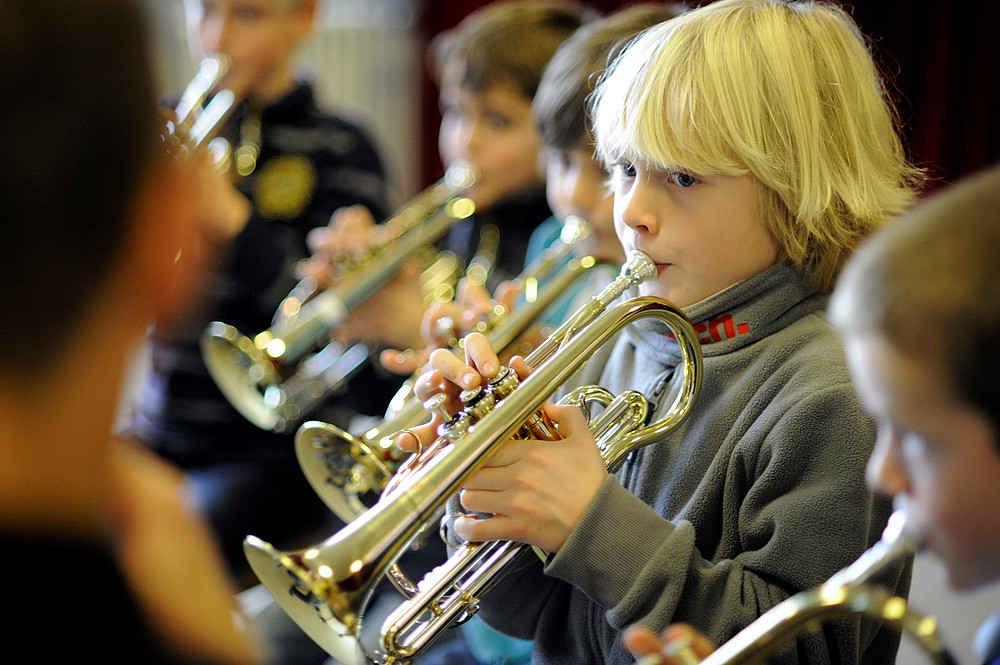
(349, 472)
(326, 589)
(274, 378)
(845, 594)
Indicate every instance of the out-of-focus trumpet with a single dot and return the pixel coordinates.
(326, 588)
(195, 124)
(276, 377)
(349, 472)
(845, 594)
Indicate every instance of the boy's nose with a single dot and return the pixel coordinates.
(637, 209)
(885, 471)
(470, 136)
(582, 196)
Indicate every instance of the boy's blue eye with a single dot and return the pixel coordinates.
(682, 179)
(248, 13)
(625, 169)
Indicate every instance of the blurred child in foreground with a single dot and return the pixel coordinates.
(105, 557)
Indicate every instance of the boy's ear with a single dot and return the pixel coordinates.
(168, 263)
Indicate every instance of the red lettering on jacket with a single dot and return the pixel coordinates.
(720, 328)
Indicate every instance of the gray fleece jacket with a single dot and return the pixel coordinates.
(759, 494)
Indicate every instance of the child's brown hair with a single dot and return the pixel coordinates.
(505, 41)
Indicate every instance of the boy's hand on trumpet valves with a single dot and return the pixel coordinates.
(445, 323)
(349, 231)
(537, 491)
(389, 317)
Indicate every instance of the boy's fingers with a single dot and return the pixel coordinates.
(454, 370)
(480, 354)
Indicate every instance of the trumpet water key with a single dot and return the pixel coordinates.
(349, 472)
(276, 377)
(326, 588)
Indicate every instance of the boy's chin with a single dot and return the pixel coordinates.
(654, 290)
(965, 575)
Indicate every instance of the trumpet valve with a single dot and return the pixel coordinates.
(503, 383)
(478, 402)
(539, 426)
(454, 426)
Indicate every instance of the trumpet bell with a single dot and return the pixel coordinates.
(325, 589)
(314, 612)
(240, 369)
(253, 378)
(347, 472)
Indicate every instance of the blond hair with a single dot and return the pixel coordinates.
(787, 92)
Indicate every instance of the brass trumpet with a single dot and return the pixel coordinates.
(274, 378)
(326, 588)
(349, 472)
(845, 594)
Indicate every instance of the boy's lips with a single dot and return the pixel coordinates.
(661, 265)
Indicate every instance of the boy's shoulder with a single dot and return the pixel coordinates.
(810, 347)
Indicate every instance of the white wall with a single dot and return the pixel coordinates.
(958, 615)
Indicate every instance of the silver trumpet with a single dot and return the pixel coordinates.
(349, 472)
(326, 588)
(195, 123)
(276, 377)
(847, 593)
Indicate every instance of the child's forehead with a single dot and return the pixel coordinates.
(497, 88)
(632, 156)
